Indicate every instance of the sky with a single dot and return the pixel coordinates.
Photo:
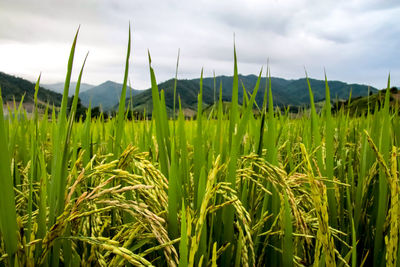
(356, 41)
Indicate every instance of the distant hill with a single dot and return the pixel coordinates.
(285, 92)
(289, 92)
(14, 88)
(359, 105)
(106, 94)
(187, 90)
(59, 87)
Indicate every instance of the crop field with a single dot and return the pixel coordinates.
(223, 189)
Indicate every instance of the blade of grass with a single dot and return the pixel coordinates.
(329, 135)
(158, 117)
(56, 185)
(287, 247)
(228, 212)
(86, 136)
(33, 171)
(173, 196)
(8, 217)
(383, 185)
(120, 122)
(60, 161)
(183, 245)
(175, 82)
(199, 160)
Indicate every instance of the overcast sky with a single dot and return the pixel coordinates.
(354, 40)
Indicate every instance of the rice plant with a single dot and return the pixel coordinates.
(229, 189)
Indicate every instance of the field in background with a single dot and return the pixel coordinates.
(224, 189)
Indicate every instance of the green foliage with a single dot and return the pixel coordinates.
(228, 188)
(15, 88)
(8, 216)
(287, 92)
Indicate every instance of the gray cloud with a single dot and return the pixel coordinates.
(356, 41)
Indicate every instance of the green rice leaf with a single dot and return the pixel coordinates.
(8, 217)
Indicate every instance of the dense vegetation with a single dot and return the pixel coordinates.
(371, 103)
(14, 88)
(234, 190)
(20, 90)
(286, 92)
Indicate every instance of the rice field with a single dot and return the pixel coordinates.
(230, 189)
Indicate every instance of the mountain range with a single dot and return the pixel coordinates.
(286, 92)
(106, 95)
(59, 87)
(13, 88)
